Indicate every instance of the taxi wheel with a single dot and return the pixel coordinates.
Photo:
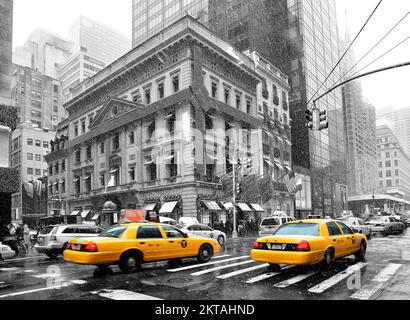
(328, 258)
(221, 240)
(130, 262)
(361, 254)
(205, 253)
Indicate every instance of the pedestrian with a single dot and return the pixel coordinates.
(27, 240)
(12, 229)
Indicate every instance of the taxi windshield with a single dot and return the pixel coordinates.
(298, 229)
(113, 232)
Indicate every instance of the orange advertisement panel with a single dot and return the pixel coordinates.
(133, 215)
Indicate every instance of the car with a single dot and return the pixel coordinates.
(130, 245)
(187, 220)
(386, 225)
(205, 231)
(398, 219)
(271, 224)
(52, 240)
(6, 252)
(309, 242)
(167, 220)
(358, 225)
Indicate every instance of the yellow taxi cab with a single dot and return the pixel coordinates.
(129, 245)
(309, 242)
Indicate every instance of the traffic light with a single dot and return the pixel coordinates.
(238, 188)
(323, 123)
(309, 119)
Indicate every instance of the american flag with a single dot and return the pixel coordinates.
(289, 180)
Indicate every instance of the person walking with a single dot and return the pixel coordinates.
(27, 240)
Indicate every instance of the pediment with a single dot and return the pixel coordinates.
(114, 108)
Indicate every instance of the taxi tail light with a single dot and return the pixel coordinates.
(257, 245)
(91, 247)
(68, 246)
(303, 246)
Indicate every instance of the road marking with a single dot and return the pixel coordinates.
(266, 275)
(337, 278)
(47, 275)
(220, 257)
(123, 295)
(9, 269)
(379, 281)
(199, 273)
(294, 280)
(34, 290)
(78, 281)
(236, 273)
(206, 264)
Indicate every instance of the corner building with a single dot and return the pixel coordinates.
(157, 127)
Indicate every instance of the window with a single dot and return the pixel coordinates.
(333, 229)
(396, 163)
(131, 138)
(38, 157)
(30, 170)
(380, 165)
(388, 164)
(78, 156)
(388, 183)
(57, 168)
(38, 172)
(46, 145)
(151, 129)
(132, 174)
(387, 154)
(63, 166)
(346, 230)
(175, 83)
(147, 96)
(87, 182)
(29, 156)
(248, 106)
(396, 172)
(116, 142)
(173, 233)
(214, 90)
(238, 102)
(388, 173)
(102, 180)
(77, 184)
(161, 91)
(380, 174)
(83, 126)
(50, 169)
(170, 123)
(227, 93)
(76, 130)
(29, 142)
(102, 147)
(89, 153)
(149, 232)
(114, 232)
(38, 143)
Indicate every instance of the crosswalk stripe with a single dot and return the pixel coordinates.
(267, 275)
(78, 281)
(124, 295)
(337, 278)
(236, 273)
(379, 281)
(294, 280)
(14, 294)
(220, 257)
(8, 269)
(206, 264)
(199, 273)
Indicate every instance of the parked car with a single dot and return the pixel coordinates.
(358, 226)
(386, 225)
(201, 230)
(187, 220)
(269, 225)
(398, 219)
(53, 240)
(6, 252)
(167, 220)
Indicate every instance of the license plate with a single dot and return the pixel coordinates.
(76, 247)
(272, 246)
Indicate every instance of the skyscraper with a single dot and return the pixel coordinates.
(6, 36)
(150, 17)
(301, 39)
(360, 127)
(398, 119)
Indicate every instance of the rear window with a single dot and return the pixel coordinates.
(47, 230)
(298, 229)
(113, 232)
(270, 222)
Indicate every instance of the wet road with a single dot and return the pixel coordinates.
(231, 275)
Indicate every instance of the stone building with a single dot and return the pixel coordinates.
(158, 127)
(6, 37)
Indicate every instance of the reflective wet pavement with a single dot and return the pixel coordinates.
(230, 275)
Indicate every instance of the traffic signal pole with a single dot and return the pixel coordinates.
(234, 232)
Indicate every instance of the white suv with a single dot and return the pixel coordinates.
(52, 240)
(269, 225)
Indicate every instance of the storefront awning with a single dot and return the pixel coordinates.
(211, 205)
(168, 207)
(257, 207)
(74, 213)
(85, 213)
(268, 162)
(279, 166)
(244, 207)
(149, 206)
(96, 216)
(228, 205)
(288, 168)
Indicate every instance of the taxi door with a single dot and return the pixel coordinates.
(336, 239)
(351, 243)
(177, 245)
(151, 242)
